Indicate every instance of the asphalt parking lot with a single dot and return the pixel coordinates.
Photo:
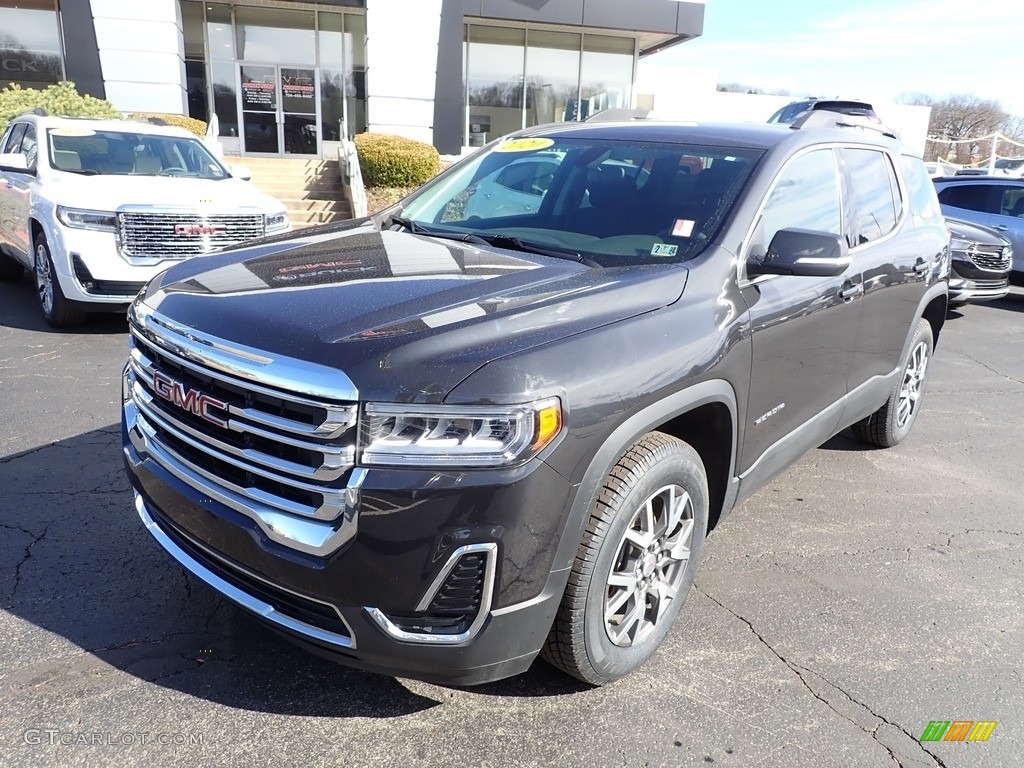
(861, 595)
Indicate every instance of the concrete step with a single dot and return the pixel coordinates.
(299, 191)
(308, 218)
(315, 205)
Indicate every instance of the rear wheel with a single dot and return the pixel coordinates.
(890, 424)
(636, 563)
(57, 310)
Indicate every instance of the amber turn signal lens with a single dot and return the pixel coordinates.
(549, 424)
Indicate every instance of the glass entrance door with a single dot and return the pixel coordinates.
(279, 110)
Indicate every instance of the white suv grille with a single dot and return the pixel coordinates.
(179, 235)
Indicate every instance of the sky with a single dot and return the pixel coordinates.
(867, 49)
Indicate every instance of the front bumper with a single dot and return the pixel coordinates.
(967, 283)
(412, 526)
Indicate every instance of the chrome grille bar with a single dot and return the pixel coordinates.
(179, 235)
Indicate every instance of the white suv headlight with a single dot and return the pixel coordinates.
(457, 435)
(79, 218)
(275, 222)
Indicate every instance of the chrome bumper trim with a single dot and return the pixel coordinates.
(240, 597)
(491, 556)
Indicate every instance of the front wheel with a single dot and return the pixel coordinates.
(636, 563)
(57, 310)
(890, 424)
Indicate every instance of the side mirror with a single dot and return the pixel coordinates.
(241, 172)
(15, 163)
(803, 252)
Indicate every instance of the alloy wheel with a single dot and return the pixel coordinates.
(649, 565)
(44, 279)
(912, 386)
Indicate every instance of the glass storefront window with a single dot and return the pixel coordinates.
(225, 96)
(494, 82)
(192, 30)
(606, 80)
(271, 34)
(355, 73)
(552, 77)
(30, 50)
(331, 40)
(218, 32)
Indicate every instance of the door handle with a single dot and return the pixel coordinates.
(1000, 227)
(921, 267)
(851, 292)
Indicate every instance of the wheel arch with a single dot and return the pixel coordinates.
(703, 415)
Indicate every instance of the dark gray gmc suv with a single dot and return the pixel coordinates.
(442, 440)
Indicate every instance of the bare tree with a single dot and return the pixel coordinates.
(956, 120)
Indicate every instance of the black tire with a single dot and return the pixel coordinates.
(10, 270)
(580, 642)
(58, 311)
(890, 424)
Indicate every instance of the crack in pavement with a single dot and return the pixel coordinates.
(990, 368)
(803, 674)
(26, 558)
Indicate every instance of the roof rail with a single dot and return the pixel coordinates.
(822, 118)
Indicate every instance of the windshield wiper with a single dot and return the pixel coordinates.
(508, 242)
(81, 171)
(513, 243)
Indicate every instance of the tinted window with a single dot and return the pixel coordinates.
(1013, 202)
(806, 196)
(14, 138)
(617, 202)
(920, 190)
(874, 196)
(972, 197)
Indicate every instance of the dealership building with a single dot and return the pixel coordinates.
(294, 78)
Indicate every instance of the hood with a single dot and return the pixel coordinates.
(406, 317)
(109, 193)
(966, 230)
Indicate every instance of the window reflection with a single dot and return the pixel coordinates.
(494, 82)
(606, 73)
(30, 52)
(269, 34)
(552, 77)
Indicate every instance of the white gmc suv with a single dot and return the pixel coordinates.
(95, 208)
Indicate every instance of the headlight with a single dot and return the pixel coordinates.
(959, 244)
(458, 435)
(83, 219)
(276, 221)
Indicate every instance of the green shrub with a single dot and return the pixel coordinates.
(191, 124)
(61, 99)
(395, 161)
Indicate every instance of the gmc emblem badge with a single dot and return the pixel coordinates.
(197, 229)
(192, 400)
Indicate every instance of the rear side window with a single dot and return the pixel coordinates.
(920, 190)
(874, 195)
(805, 196)
(1013, 202)
(971, 197)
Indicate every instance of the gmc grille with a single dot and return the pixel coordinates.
(179, 235)
(281, 450)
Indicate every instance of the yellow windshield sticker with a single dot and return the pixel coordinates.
(72, 132)
(524, 145)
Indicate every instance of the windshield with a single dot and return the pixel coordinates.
(119, 153)
(1010, 163)
(616, 203)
